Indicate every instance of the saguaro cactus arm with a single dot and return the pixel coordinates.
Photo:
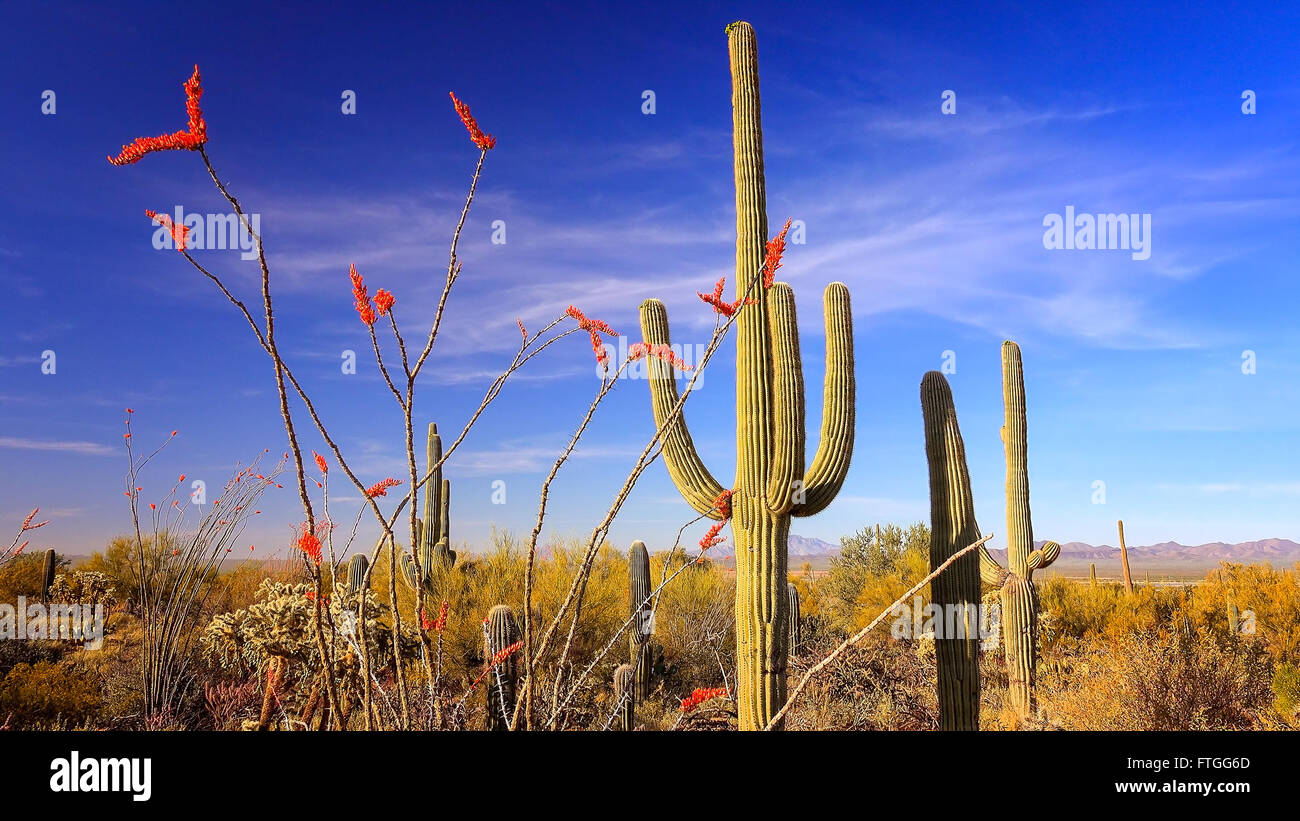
(693, 479)
(835, 447)
(786, 475)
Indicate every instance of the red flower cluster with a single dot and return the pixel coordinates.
(720, 305)
(27, 523)
(485, 142)
(701, 695)
(440, 623)
(661, 351)
(384, 302)
(364, 309)
(772, 256)
(723, 505)
(595, 328)
(308, 543)
(381, 489)
(320, 463)
(189, 140)
(180, 233)
(522, 330)
(505, 653)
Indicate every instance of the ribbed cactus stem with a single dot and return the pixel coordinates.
(796, 634)
(625, 697)
(952, 527)
(47, 573)
(433, 529)
(771, 482)
(1123, 558)
(500, 632)
(357, 567)
(638, 578)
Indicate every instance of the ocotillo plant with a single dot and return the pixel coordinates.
(357, 567)
(433, 532)
(638, 583)
(1123, 557)
(771, 484)
(952, 527)
(625, 696)
(47, 574)
(793, 594)
(500, 633)
(1015, 584)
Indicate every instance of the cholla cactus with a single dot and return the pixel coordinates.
(771, 482)
(625, 696)
(500, 635)
(84, 587)
(433, 531)
(638, 576)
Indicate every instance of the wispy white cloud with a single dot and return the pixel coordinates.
(81, 448)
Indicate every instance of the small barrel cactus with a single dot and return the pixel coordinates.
(357, 568)
(625, 695)
(500, 634)
(638, 575)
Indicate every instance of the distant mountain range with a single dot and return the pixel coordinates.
(1280, 552)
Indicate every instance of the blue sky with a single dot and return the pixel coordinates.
(935, 223)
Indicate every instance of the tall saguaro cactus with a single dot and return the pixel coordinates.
(625, 696)
(48, 567)
(638, 582)
(1017, 595)
(952, 527)
(1123, 558)
(433, 531)
(500, 632)
(771, 483)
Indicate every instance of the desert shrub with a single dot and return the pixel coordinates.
(695, 625)
(49, 694)
(1169, 679)
(871, 572)
(1286, 692)
(24, 575)
(879, 684)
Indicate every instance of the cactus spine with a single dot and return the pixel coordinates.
(625, 694)
(500, 632)
(433, 531)
(1015, 584)
(357, 568)
(952, 527)
(1123, 557)
(47, 573)
(771, 484)
(638, 582)
(795, 633)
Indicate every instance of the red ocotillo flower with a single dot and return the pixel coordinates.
(320, 463)
(522, 330)
(701, 695)
(594, 327)
(505, 653)
(723, 504)
(381, 489)
(180, 233)
(661, 351)
(27, 523)
(712, 538)
(384, 301)
(720, 305)
(308, 543)
(189, 140)
(440, 623)
(21, 548)
(362, 296)
(485, 142)
(772, 255)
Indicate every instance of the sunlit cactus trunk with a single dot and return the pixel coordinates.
(500, 632)
(357, 567)
(771, 482)
(1017, 596)
(1092, 574)
(638, 578)
(952, 527)
(795, 633)
(47, 574)
(433, 531)
(625, 697)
